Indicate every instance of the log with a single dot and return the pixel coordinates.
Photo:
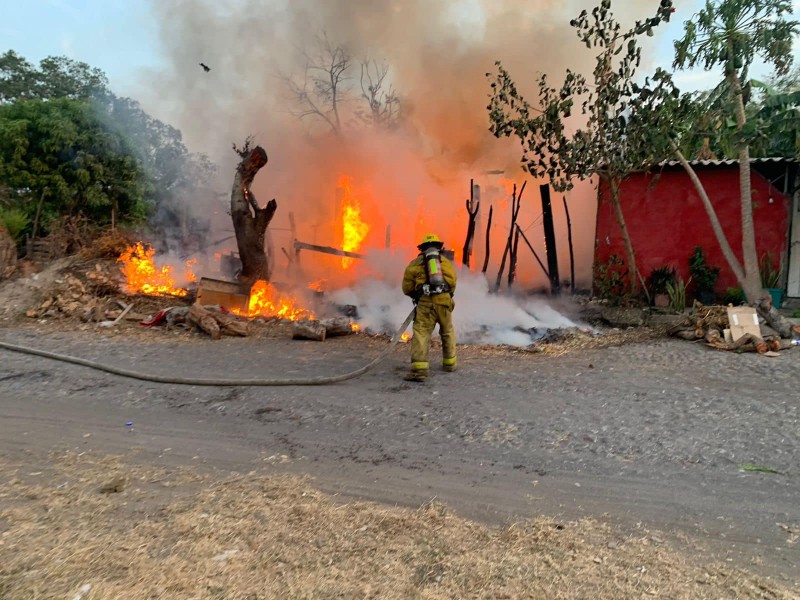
(337, 326)
(203, 319)
(686, 334)
(230, 325)
(774, 319)
(713, 336)
(308, 330)
(747, 343)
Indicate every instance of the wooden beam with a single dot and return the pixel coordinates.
(327, 250)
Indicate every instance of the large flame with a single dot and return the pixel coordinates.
(266, 301)
(354, 230)
(143, 277)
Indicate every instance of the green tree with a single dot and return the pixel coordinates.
(56, 77)
(168, 172)
(730, 34)
(621, 116)
(59, 158)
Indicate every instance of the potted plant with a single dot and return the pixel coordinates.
(657, 283)
(771, 278)
(704, 276)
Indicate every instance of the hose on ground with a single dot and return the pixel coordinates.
(325, 380)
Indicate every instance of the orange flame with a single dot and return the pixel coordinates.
(354, 230)
(190, 276)
(317, 286)
(266, 301)
(355, 327)
(143, 277)
(405, 337)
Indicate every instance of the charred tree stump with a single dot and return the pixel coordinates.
(488, 247)
(550, 239)
(472, 210)
(250, 221)
(309, 330)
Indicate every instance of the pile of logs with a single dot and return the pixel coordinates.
(708, 323)
(216, 323)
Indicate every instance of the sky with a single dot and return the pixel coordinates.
(121, 37)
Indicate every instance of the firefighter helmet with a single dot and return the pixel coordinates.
(431, 240)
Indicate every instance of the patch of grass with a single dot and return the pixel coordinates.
(759, 469)
(173, 533)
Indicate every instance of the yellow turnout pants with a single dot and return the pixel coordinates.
(428, 315)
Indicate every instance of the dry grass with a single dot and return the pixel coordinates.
(176, 534)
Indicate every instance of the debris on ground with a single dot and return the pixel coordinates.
(738, 329)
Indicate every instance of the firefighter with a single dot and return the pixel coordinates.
(430, 281)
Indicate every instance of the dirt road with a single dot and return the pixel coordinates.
(655, 433)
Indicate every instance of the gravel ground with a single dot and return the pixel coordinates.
(663, 432)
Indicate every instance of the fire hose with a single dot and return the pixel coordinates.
(325, 380)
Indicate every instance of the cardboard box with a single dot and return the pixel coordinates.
(743, 320)
(229, 294)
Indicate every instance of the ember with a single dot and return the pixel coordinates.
(354, 230)
(143, 277)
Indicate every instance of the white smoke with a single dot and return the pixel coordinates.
(480, 316)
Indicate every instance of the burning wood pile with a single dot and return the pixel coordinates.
(730, 328)
(105, 292)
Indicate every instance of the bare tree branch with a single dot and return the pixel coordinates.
(382, 100)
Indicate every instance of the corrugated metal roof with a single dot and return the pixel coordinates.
(727, 162)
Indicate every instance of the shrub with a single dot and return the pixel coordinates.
(659, 278)
(15, 221)
(704, 276)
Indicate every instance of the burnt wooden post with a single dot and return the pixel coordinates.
(516, 200)
(512, 265)
(550, 239)
(473, 205)
(488, 230)
(535, 255)
(571, 253)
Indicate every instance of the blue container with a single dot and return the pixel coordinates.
(777, 296)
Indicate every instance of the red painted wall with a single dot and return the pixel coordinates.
(666, 220)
